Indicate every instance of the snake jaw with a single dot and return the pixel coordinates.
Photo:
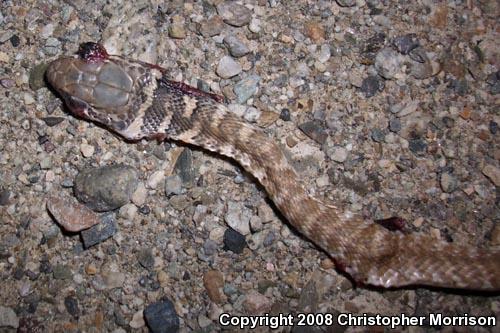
(75, 105)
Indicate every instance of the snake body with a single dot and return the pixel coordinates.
(136, 100)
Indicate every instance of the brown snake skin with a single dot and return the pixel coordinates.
(135, 100)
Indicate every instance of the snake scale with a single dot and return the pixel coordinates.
(136, 100)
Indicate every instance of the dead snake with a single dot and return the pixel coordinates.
(136, 100)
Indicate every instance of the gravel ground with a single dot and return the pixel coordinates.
(390, 109)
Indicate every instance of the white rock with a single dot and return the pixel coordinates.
(8, 317)
(238, 217)
(338, 154)
(139, 195)
(155, 179)
(87, 150)
(228, 67)
(137, 320)
(493, 173)
(254, 25)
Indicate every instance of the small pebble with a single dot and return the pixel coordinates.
(371, 86)
(234, 14)
(346, 3)
(493, 127)
(106, 188)
(213, 281)
(228, 67)
(173, 185)
(99, 232)
(448, 182)
(71, 304)
(236, 47)
(8, 317)
(161, 317)
(417, 146)
(252, 115)
(112, 276)
(409, 108)
(28, 99)
(388, 63)
(4, 197)
(493, 173)
(395, 125)
(405, 43)
(71, 215)
(211, 27)
(314, 130)
(315, 31)
(256, 303)
(37, 76)
(146, 258)
(246, 88)
(140, 194)
(238, 217)
(255, 25)
(177, 31)
(15, 40)
(52, 121)
(155, 179)
(62, 272)
(337, 154)
(138, 321)
(377, 135)
(285, 114)
(234, 241)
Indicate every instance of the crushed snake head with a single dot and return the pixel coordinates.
(137, 100)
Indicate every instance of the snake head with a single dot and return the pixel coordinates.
(103, 88)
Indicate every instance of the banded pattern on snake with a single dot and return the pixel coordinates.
(136, 100)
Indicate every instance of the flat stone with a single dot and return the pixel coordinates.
(236, 47)
(37, 76)
(256, 303)
(184, 167)
(8, 318)
(173, 185)
(238, 217)
(71, 215)
(234, 14)
(246, 88)
(106, 188)
(228, 67)
(112, 276)
(146, 258)
(337, 154)
(314, 129)
(177, 31)
(99, 232)
(371, 85)
(448, 182)
(211, 27)
(62, 272)
(346, 3)
(213, 281)
(234, 241)
(405, 43)
(388, 63)
(161, 317)
(493, 173)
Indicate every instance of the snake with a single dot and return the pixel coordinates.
(137, 100)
